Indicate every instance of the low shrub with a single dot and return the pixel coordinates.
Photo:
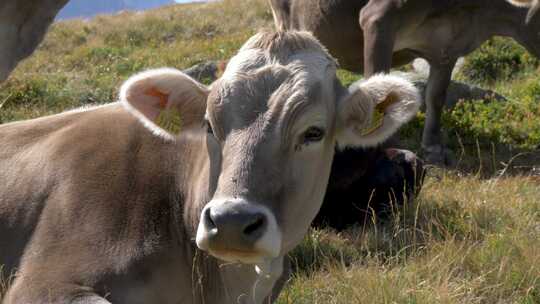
(497, 59)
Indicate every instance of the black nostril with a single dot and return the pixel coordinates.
(209, 221)
(255, 225)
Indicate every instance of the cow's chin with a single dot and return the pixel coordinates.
(238, 256)
(264, 265)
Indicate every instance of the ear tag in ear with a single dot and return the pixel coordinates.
(376, 122)
(378, 114)
(169, 119)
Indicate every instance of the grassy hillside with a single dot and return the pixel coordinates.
(472, 237)
(84, 62)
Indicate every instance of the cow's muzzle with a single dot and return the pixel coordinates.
(238, 231)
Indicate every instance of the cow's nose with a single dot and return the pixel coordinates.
(238, 230)
(233, 226)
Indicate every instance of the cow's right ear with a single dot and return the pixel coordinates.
(166, 100)
(374, 109)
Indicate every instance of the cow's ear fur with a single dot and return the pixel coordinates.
(374, 109)
(166, 101)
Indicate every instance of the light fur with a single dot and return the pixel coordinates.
(377, 88)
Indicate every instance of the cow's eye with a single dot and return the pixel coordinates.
(209, 129)
(313, 134)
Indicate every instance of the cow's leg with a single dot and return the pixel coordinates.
(23, 25)
(437, 85)
(378, 25)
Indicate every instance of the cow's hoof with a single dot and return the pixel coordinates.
(438, 156)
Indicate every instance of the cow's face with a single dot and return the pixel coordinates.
(272, 123)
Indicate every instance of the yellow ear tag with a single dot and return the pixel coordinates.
(170, 119)
(376, 122)
(378, 114)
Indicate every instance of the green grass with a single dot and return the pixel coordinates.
(84, 62)
(472, 236)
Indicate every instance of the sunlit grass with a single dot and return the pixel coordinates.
(466, 241)
(84, 62)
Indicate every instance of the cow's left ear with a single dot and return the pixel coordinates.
(374, 109)
(166, 100)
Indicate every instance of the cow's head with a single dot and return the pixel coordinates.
(533, 5)
(526, 25)
(272, 123)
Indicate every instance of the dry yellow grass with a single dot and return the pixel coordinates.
(467, 240)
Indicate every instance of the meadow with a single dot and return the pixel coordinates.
(473, 235)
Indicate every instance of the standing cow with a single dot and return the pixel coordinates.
(373, 36)
(182, 193)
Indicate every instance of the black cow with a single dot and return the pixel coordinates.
(365, 183)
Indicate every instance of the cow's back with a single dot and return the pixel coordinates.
(27, 178)
(91, 193)
(334, 23)
(50, 164)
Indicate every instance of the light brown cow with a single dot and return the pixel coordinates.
(374, 36)
(183, 193)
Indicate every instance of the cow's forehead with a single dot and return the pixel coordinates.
(272, 76)
(250, 61)
(294, 51)
(269, 91)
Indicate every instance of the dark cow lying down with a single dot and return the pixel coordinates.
(366, 183)
(182, 193)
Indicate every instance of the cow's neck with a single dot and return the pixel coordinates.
(192, 181)
(189, 160)
(512, 24)
(509, 24)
